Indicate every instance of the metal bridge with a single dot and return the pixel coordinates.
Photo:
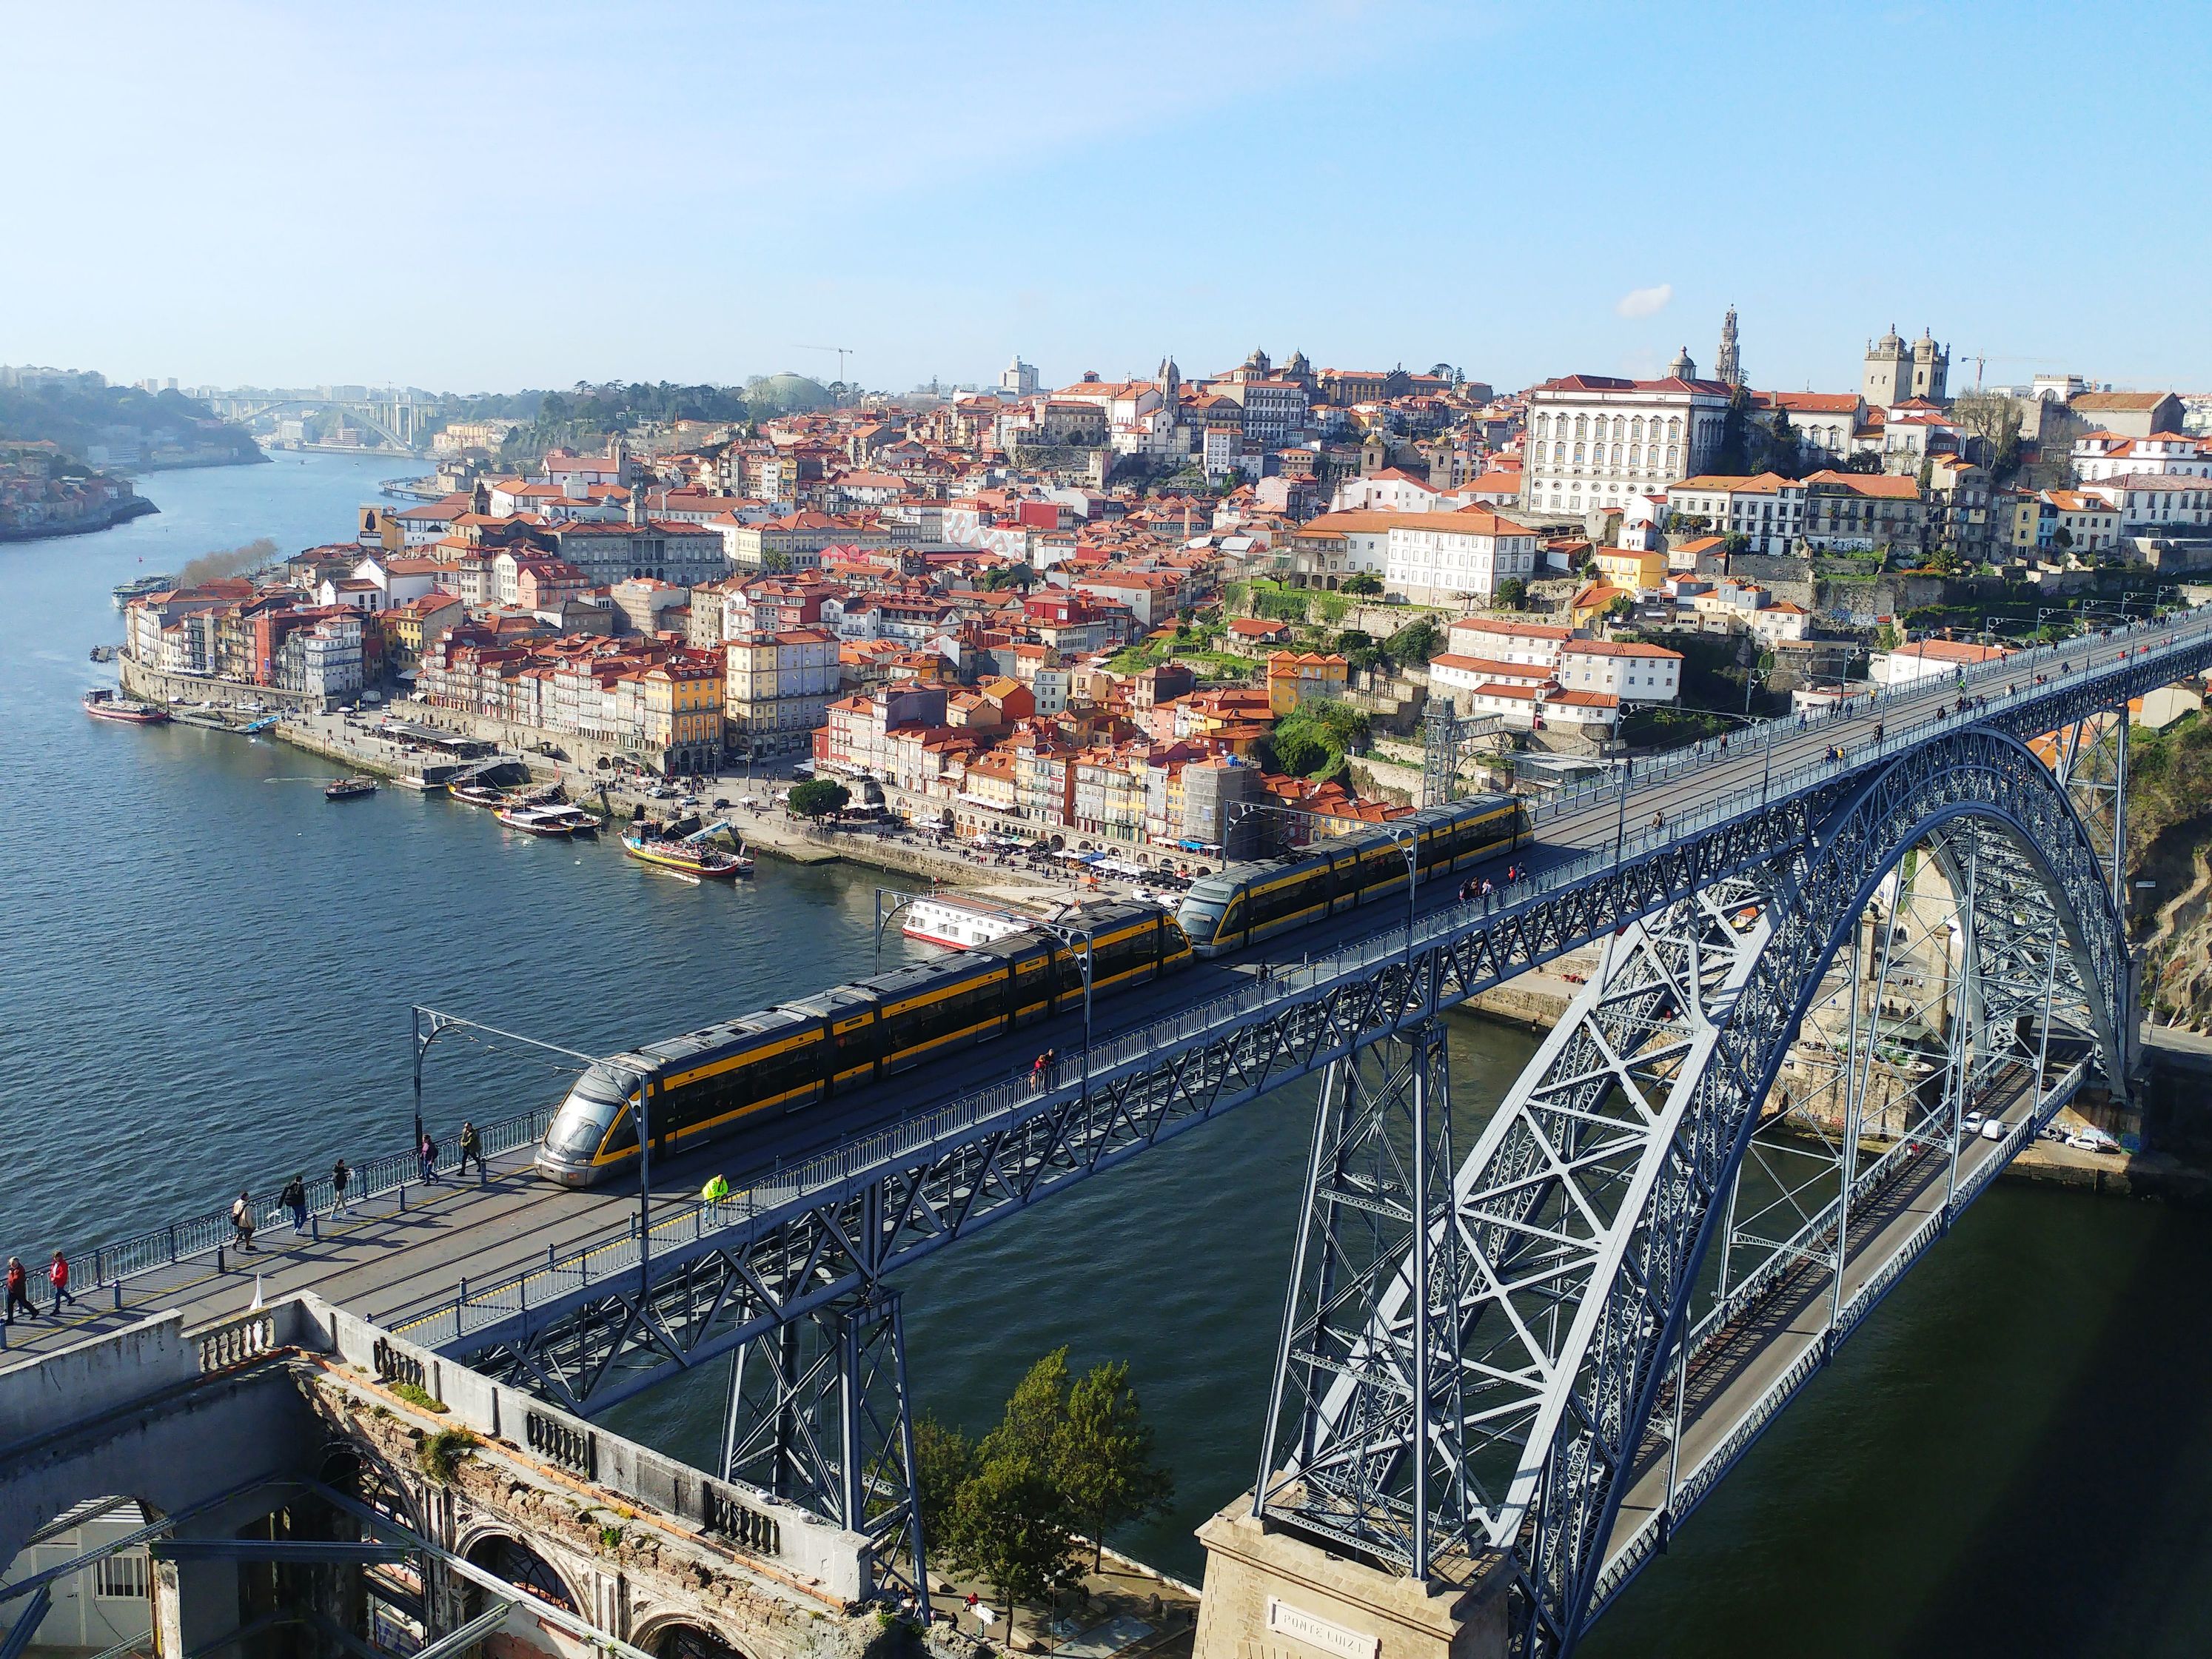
(1827, 953)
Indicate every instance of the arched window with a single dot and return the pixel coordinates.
(1671, 453)
(1635, 429)
(1582, 426)
(1578, 452)
(1673, 433)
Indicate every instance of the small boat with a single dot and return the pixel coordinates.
(107, 706)
(548, 820)
(948, 921)
(351, 789)
(125, 591)
(420, 786)
(690, 856)
(478, 794)
(255, 728)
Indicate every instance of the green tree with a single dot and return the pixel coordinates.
(774, 564)
(943, 1461)
(1416, 642)
(1512, 594)
(1621, 608)
(1104, 1468)
(1011, 1527)
(819, 797)
(1361, 582)
(1885, 637)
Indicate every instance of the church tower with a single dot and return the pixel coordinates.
(1727, 365)
(1888, 377)
(1684, 367)
(1932, 368)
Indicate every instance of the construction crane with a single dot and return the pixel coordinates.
(843, 352)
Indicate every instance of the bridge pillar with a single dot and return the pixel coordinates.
(1270, 1594)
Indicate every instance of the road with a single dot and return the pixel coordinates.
(382, 1261)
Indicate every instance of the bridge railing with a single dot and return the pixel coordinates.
(689, 1221)
(1696, 758)
(203, 1234)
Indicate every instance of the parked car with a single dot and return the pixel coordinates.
(1995, 1129)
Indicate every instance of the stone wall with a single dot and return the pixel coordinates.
(151, 685)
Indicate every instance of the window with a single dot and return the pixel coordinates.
(120, 1578)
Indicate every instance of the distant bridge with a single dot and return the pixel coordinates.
(398, 423)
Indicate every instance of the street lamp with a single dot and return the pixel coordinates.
(1068, 933)
(1767, 774)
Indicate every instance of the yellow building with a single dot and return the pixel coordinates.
(1594, 600)
(681, 716)
(1624, 567)
(1295, 677)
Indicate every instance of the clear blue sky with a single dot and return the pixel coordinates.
(494, 195)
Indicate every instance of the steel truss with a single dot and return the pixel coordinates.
(818, 1413)
(588, 1338)
(1586, 1210)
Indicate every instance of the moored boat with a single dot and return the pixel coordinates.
(951, 921)
(351, 789)
(125, 591)
(548, 820)
(107, 706)
(478, 794)
(690, 856)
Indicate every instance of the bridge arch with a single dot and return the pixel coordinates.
(1975, 789)
(506, 1554)
(684, 1636)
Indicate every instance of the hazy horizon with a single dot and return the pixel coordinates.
(508, 196)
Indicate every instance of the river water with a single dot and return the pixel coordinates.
(204, 976)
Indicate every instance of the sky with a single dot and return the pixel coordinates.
(492, 196)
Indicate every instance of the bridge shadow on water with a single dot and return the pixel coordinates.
(2012, 1456)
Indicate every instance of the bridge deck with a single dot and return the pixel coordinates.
(382, 1261)
(1741, 1382)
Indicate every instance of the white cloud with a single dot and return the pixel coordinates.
(1645, 301)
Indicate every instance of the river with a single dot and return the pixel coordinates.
(206, 971)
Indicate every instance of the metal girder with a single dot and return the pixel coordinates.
(1561, 1529)
(310, 1550)
(818, 1415)
(589, 1332)
(28, 1618)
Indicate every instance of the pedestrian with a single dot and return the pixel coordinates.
(58, 1276)
(241, 1219)
(295, 1199)
(472, 1147)
(18, 1293)
(426, 1156)
(341, 1178)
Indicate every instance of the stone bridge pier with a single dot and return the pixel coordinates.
(297, 1485)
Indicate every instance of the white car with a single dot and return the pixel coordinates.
(1971, 1123)
(2092, 1140)
(1995, 1129)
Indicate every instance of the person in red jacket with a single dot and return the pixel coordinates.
(58, 1276)
(18, 1293)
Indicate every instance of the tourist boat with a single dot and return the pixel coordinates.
(548, 820)
(688, 856)
(478, 794)
(351, 789)
(107, 706)
(948, 921)
(126, 592)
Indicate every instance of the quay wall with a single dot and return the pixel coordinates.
(152, 685)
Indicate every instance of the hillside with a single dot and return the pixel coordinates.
(120, 428)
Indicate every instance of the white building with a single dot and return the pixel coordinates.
(1626, 669)
(1594, 439)
(2156, 501)
(1536, 644)
(1436, 558)
(1930, 659)
(2102, 455)
(1765, 509)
